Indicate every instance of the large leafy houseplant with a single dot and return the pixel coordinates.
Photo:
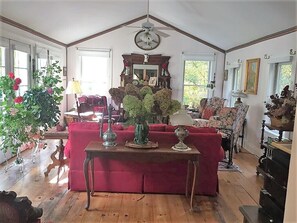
(23, 119)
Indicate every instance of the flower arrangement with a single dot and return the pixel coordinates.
(282, 107)
(144, 105)
(24, 118)
(164, 68)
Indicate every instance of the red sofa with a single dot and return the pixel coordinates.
(127, 176)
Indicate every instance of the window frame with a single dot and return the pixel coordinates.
(106, 53)
(211, 58)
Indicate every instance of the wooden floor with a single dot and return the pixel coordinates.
(61, 205)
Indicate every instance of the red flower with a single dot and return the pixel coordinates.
(126, 63)
(18, 100)
(17, 80)
(11, 75)
(15, 87)
(50, 91)
(164, 65)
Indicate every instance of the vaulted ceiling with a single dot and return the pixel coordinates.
(222, 23)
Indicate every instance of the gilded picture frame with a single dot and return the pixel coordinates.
(252, 76)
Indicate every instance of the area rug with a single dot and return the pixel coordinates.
(223, 167)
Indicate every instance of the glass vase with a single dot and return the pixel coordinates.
(141, 133)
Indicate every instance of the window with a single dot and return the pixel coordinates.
(236, 83)
(283, 77)
(197, 74)
(4, 54)
(281, 73)
(41, 57)
(95, 71)
(2, 61)
(21, 64)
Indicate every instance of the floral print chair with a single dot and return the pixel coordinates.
(208, 108)
(229, 122)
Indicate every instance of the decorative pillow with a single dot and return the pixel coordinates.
(157, 127)
(207, 113)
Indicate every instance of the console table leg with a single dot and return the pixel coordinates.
(195, 164)
(188, 178)
(86, 173)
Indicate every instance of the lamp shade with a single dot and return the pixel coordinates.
(73, 87)
(181, 118)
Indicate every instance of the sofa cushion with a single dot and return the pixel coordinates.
(157, 127)
(170, 128)
(193, 129)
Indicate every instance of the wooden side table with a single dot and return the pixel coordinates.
(163, 153)
(61, 161)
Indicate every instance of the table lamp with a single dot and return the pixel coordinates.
(181, 119)
(74, 88)
(238, 94)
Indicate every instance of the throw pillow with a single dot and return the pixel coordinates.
(207, 113)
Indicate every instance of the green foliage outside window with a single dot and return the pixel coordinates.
(195, 82)
(285, 75)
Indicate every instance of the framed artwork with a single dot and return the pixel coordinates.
(252, 76)
(152, 81)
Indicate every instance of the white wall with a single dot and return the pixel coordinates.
(121, 41)
(277, 47)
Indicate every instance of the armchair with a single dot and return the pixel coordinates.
(93, 103)
(229, 122)
(208, 108)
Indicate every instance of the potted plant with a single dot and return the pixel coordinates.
(23, 119)
(142, 106)
(281, 109)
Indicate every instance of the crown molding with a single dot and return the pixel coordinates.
(29, 30)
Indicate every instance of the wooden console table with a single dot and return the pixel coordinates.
(61, 161)
(163, 153)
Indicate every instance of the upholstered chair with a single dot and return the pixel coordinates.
(208, 108)
(230, 123)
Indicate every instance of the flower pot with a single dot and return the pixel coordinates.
(275, 122)
(141, 133)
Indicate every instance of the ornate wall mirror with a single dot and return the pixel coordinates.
(145, 72)
(153, 72)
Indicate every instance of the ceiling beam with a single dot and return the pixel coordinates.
(29, 30)
(106, 31)
(264, 38)
(188, 34)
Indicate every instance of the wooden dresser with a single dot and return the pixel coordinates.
(275, 169)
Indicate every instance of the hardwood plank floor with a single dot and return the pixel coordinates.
(62, 206)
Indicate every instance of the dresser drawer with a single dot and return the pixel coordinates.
(277, 192)
(277, 171)
(279, 156)
(269, 206)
